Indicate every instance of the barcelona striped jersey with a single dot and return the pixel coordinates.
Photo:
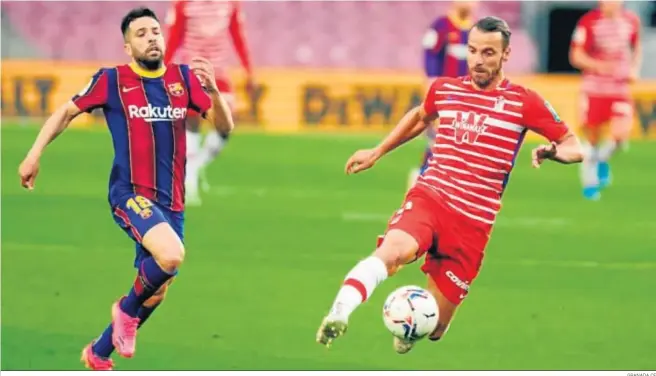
(146, 113)
(445, 47)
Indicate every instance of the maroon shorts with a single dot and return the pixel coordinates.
(453, 244)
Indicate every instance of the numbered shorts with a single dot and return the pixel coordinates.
(225, 87)
(598, 111)
(452, 243)
(137, 215)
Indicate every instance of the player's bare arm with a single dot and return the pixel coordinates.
(567, 150)
(53, 127)
(581, 60)
(411, 125)
(220, 114)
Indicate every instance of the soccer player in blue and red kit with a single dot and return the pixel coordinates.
(145, 104)
(445, 55)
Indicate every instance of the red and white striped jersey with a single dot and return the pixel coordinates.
(609, 39)
(207, 29)
(479, 134)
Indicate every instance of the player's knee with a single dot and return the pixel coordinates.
(172, 258)
(396, 250)
(165, 246)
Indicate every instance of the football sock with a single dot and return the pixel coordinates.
(193, 158)
(103, 346)
(145, 312)
(149, 279)
(193, 143)
(588, 167)
(606, 150)
(212, 146)
(358, 285)
(192, 174)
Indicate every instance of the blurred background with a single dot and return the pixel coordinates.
(567, 284)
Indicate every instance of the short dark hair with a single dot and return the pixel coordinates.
(493, 25)
(133, 15)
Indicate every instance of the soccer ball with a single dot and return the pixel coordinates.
(410, 313)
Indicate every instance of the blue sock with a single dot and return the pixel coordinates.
(103, 346)
(149, 279)
(145, 312)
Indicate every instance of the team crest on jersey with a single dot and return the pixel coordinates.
(468, 127)
(499, 104)
(176, 89)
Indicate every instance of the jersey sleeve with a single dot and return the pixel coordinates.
(582, 36)
(542, 118)
(199, 99)
(94, 95)
(429, 105)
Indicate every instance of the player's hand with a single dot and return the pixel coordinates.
(542, 153)
(205, 72)
(28, 170)
(361, 160)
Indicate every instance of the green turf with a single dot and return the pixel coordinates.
(566, 284)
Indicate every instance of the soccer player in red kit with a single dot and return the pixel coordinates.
(206, 28)
(145, 104)
(448, 215)
(606, 47)
(445, 55)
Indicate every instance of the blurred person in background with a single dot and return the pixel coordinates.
(445, 55)
(206, 29)
(606, 48)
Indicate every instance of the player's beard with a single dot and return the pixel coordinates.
(150, 64)
(485, 82)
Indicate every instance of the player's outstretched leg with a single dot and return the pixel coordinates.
(397, 249)
(447, 311)
(96, 355)
(167, 254)
(212, 147)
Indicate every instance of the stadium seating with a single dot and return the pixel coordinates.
(372, 35)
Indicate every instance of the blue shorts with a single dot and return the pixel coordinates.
(137, 215)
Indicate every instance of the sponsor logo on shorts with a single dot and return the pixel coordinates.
(458, 282)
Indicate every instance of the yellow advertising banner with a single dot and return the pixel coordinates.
(292, 100)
